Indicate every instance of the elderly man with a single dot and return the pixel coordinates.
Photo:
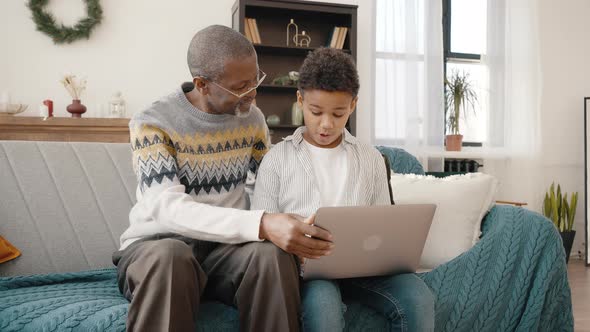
(190, 233)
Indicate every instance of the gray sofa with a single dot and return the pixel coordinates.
(64, 206)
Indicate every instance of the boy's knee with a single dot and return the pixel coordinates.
(323, 294)
(321, 289)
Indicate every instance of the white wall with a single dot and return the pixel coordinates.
(565, 62)
(139, 49)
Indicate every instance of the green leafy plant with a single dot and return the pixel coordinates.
(290, 79)
(460, 96)
(557, 208)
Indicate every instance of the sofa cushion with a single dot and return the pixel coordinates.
(64, 205)
(462, 201)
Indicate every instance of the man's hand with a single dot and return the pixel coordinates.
(288, 232)
(309, 220)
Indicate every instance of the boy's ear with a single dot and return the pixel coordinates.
(353, 104)
(201, 85)
(299, 98)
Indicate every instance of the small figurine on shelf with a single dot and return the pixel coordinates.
(117, 106)
(289, 26)
(303, 39)
(49, 104)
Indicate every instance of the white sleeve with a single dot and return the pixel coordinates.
(169, 206)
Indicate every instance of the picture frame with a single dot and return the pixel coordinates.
(586, 176)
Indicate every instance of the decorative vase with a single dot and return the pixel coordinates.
(568, 241)
(289, 26)
(296, 114)
(273, 120)
(454, 142)
(76, 108)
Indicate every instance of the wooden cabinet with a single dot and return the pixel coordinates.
(277, 59)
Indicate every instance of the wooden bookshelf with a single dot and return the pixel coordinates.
(277, 59)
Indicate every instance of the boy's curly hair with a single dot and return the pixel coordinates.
(329, 69)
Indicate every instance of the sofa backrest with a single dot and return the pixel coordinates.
(64, 205)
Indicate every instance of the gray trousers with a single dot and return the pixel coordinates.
(165, 276)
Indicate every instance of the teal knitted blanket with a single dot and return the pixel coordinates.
(514, 279)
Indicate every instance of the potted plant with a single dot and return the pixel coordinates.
(557, 208)
(460, 96)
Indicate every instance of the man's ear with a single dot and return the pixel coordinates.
(299, 99)
(201, 85)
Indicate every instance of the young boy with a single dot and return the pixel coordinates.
(322, 164)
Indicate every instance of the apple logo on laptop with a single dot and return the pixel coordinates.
(372, 242)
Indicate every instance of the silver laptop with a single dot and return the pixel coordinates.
(371, 240)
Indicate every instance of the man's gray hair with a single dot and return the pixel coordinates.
(211, 47)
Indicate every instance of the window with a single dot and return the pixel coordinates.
(465, 43)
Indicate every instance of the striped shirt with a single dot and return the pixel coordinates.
(286, 181)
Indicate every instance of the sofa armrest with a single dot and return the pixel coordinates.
(514, 278)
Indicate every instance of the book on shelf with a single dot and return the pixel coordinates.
(338, 37)
(247, 31)
(256, 31)
(341, 37)
(250, 28)
(333, 37)
(253, 26)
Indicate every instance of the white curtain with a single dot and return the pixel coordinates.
(515, 94)
(515, 77)
(408, 100)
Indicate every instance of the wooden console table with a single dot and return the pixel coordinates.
(64, 129)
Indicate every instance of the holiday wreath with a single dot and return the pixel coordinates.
(65, 34)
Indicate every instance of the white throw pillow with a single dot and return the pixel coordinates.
(462, 201)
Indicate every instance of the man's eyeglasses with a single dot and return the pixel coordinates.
(245, 91)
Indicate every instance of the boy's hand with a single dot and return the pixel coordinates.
(288, 232)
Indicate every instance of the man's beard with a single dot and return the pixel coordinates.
(243, 114)
(237, 111)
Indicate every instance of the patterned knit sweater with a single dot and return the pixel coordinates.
(191, 169)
